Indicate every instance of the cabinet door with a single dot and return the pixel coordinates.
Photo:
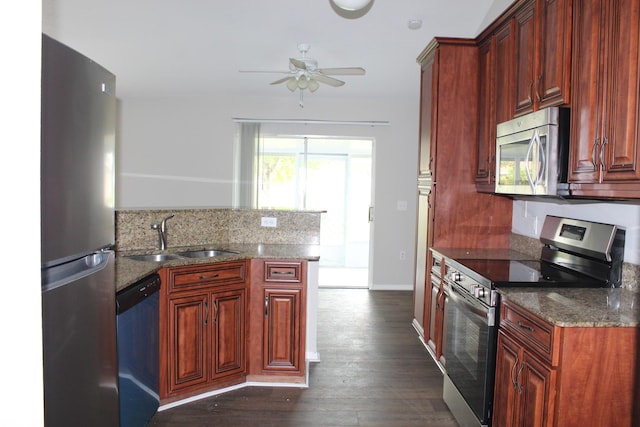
(486, 116)
(504, 95)
(505, 391)
(620, 141)
(430, 315)
(282, 330)
(187, 341)
(228, 333)
(553, 38)
(420, 296)
(524, 58)
(536, 381)
(428, 112)
(585, 96)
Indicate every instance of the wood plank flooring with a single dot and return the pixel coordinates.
(373, 372)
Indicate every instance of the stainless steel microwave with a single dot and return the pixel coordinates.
(532, 154)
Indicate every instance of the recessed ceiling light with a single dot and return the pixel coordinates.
(414, 24)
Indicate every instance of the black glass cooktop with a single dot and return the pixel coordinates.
(525, 273)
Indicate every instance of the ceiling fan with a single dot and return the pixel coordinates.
(304, 73)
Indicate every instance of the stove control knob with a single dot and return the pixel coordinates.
(456, 276)
(479, 291)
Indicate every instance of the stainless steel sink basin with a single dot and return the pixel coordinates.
(206, 253)
(154, 257)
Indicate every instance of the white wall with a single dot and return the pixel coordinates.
(20, 317)
(178, 152)
(528, 217)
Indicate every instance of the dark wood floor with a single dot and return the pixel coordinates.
(374, 372)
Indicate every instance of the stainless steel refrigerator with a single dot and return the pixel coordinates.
(78, 270)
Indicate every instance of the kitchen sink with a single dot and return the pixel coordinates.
(206, 253)
(154, 257)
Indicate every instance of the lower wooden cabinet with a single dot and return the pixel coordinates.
(228, 333)
(202, 326)
(188, 342)
(226, 323)
(278, 321)
(281, 330)
(524, 386)
(547, 375)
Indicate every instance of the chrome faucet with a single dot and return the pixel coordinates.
(162, 232)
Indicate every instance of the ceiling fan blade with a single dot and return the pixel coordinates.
(282, 80)
(346, 71)
(327, 80)
(298, 63)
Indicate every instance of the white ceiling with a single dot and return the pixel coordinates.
(184, 47)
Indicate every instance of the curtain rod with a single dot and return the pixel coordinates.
(313, 122)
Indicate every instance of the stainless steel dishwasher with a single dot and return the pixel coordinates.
(138, 370)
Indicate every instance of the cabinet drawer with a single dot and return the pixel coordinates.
(282, 271)
(532, 331)
(182, 278)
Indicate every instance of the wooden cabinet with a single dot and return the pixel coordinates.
(604, 159)
(202, 326)
(547, 375)
(281, 330)
(277, 322)
(495, 100)
(435, 315)
(524, 65)
(523, 385)
(422, 254)
(451, 211)
(188, 342)
(228, 333)
(542, 54)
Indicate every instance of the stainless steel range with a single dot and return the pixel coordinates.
(576, 253)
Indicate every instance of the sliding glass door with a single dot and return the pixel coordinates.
(322, 173)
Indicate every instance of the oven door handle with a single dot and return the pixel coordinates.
(480, 311)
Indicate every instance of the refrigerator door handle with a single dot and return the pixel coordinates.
(54, 277)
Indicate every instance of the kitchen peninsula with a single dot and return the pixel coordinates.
(245, 316)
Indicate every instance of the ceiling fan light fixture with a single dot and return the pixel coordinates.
(292, 84)
(303, 83)
(313, 85)
(351, 5)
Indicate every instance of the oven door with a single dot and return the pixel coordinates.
(470, 350)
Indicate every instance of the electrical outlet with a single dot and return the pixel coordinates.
(269, 221)
(403, 255)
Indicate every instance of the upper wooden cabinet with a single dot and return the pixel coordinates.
(605, 112)
(495, 100)
(542, 34)
(428, 92)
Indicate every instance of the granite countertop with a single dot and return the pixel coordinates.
(579, 307)
(129, 271)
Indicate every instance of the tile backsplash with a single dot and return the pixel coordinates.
(191, 227)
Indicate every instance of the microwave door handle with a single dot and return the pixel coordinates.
(543, 159)
(526, 164)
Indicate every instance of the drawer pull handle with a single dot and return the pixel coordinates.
(213, 276)
(523, 326)
(283, 272)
